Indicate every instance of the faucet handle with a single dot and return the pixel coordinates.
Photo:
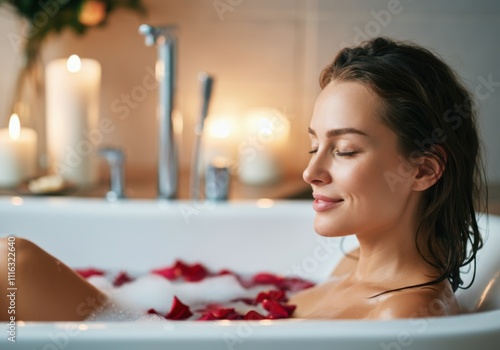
(153, 34)
(115, 159)
(149, 32)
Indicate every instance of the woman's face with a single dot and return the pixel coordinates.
(354, 164)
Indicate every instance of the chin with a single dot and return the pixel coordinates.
(328, 228)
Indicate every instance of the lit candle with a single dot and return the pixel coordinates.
(72, 90)
(265, 136)
(17, 153)
(220, 139)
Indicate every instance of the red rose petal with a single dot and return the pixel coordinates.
(153, 312)
(277, 295)
(266, 278)
(181, 266)
(276, 310)
(225, 272)
(212, 307)
(207, 317)
(220, 314)
(290, 308)
(195, 273)
(190, 273)
(170, 272)
(179, 311)
(121, 279)
(253, 315)
(234, 316)
(166, 272)
(86, 273)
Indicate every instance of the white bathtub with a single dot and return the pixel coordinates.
(256, 236)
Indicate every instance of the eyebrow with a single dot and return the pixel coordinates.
(339, 132)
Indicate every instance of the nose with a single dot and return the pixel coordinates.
(316, 172)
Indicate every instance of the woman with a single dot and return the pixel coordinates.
(395, 161)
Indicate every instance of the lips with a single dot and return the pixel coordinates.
(323, 203)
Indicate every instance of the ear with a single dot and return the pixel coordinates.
(430, 170)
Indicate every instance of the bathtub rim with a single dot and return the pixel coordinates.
(435, 327)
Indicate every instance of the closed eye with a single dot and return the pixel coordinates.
(338, 153)
(345, 154)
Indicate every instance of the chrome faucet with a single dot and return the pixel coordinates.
(164, 39)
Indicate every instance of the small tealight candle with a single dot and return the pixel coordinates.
(266, 135)
(17, 153)
(220, 139)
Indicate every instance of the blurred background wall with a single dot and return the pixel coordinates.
(264, 53)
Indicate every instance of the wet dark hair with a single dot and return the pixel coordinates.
(425, 103)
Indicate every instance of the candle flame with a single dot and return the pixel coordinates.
(14, 127)
(268, 122)
(74, 64)
(219, 128)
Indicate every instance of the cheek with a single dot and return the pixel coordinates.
(372, 180)
(360, 177)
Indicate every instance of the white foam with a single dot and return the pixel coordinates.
(101, 282)
(132, 300)
(217, 289)
(148, 292)
(117, 310)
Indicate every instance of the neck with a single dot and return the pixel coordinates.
(390, 253)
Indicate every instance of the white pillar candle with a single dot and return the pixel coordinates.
(265, 136)
(72, 90)
(17, 153)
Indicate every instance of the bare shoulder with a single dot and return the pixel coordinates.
(431, 301)
(347, 264)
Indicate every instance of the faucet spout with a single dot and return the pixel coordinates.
(164, 39)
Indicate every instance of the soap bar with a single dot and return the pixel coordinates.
(46, 184)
